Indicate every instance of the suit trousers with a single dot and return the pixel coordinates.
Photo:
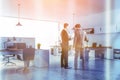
(64, 57)
(78, 55)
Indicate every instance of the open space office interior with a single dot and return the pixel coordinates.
(59, 40)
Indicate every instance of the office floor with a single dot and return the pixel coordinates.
(94, 69)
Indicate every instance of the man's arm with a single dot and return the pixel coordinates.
(85, 38)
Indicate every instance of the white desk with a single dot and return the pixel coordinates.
(11, 51)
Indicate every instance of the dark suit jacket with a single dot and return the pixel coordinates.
(65, 38)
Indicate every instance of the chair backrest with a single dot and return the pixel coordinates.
(20, 45)
(28, 53)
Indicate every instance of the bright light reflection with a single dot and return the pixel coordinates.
(108, 28)
(107, 70)
(45, 32)
(108, 25)
(108, 21)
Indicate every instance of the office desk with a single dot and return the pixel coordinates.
(41, 58)
(11, 51)
(100, 52)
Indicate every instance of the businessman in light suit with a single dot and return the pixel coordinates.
(79, 38)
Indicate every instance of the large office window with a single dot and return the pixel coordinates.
(45, 32)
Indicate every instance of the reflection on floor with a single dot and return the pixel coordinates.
(94, 69)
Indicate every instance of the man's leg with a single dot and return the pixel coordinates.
(81, 53)
(83, 60)
(62, 58)
(66, 58)
(76, 59)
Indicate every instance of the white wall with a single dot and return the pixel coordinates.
(97, 21)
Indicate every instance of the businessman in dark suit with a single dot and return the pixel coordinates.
(65, 45)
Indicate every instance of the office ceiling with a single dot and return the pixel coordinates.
(54, 10)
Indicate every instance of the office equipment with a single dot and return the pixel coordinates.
(116, 53)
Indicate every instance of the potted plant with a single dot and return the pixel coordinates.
(38, 45)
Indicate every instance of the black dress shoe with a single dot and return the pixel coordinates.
(77, 68)
(68, 67)
(62, 66)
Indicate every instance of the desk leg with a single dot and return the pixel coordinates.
(86, 55)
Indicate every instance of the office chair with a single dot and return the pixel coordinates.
(8, 59)
(28, 55)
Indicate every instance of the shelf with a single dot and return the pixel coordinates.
(104, 33)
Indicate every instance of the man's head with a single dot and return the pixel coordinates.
(66, 25)
(77, 26)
